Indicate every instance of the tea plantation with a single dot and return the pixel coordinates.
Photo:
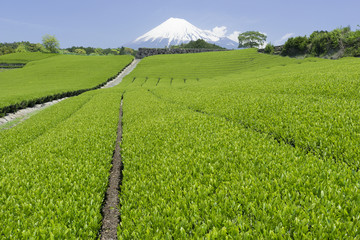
(221, 145)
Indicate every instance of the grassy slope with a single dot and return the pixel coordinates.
(56, 75)
(249, 145)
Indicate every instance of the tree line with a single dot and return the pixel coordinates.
(50, 44)
(340, 42)
(98, 51)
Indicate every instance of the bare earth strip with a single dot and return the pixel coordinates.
(110, 211)
(24, 114)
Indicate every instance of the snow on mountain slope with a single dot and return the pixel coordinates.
(175, 31)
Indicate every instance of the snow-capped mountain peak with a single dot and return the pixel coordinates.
(175, 31)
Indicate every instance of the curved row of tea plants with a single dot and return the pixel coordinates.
(57, 75)
(55, 167)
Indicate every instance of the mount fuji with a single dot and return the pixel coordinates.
(175, 31)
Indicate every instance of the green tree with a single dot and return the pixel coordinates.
(99, 51)
(251, 39)
(80, 51)
(6, 50)
(114, 51)
(200, 43)
(21, 48)
(51, 43)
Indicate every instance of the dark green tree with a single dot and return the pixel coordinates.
(251, 39)
(200, 43)
(295, 46)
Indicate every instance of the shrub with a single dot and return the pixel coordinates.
(269, 48)
(295, 46)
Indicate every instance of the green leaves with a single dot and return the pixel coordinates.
(55, 172)
(57, 74)
(251, 39)
(247, 152)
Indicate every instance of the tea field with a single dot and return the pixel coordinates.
(241, 145)
(221, 145)
(55, 167)
(24, 57)
(54, 75)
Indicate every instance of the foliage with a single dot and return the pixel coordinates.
(56, 75)
(337, 43)
(80, 51)
(7, 48)
(220, 145)
(269, 48)
(21, 49)
(98, 51)
(126, 51)
(251, 39)
(114, 51)
(55, 168)
(51, 43)
(264, 149)
(295, 46)
(200, 43)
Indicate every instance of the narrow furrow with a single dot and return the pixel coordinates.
(110, 211)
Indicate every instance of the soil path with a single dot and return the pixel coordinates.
(24, 114)
(110, 210)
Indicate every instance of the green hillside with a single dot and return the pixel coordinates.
(241, 145)
(56, 75)
(210, 64)
(221, 145)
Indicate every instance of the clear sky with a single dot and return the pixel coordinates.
(112, 23)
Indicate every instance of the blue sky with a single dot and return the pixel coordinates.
(111, 23)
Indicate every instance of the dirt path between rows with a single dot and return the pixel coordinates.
(110, 211)
(24, 114)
